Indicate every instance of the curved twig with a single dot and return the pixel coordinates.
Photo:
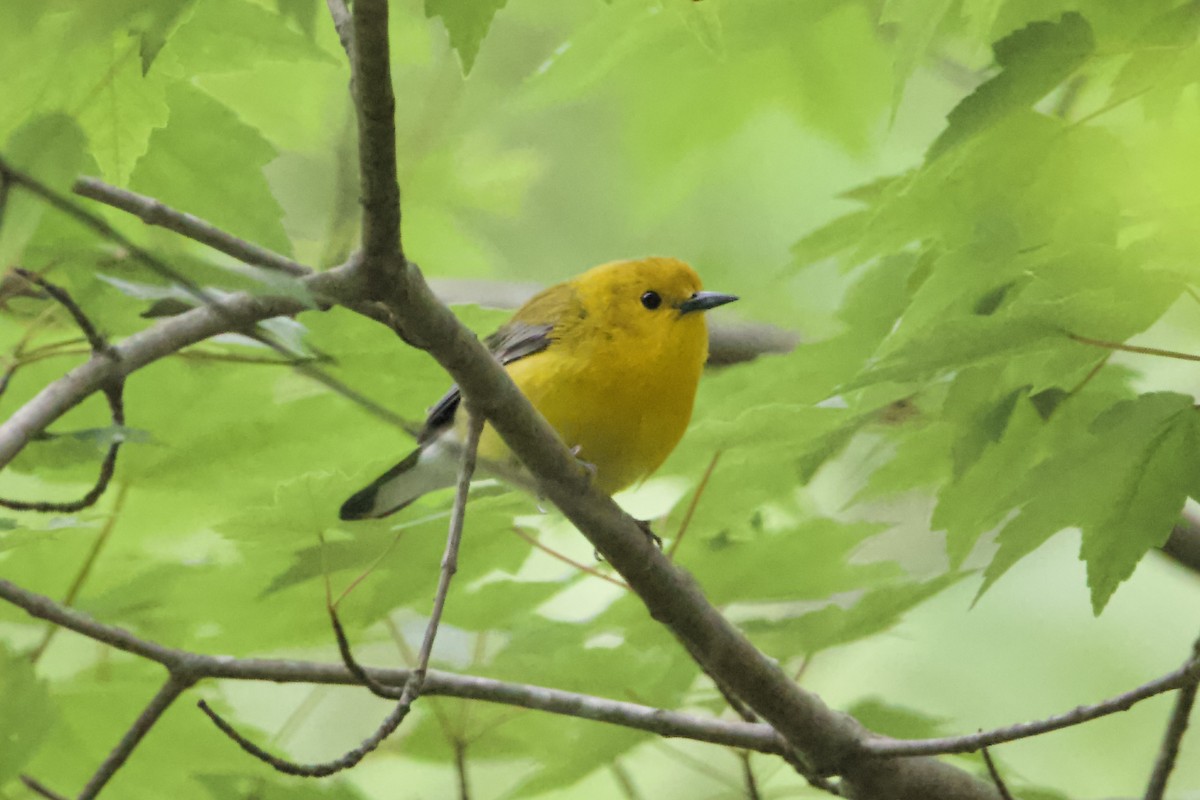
(1168, 752)
(416, 678)
(155, 212)
(113, 393)
(1186, 675)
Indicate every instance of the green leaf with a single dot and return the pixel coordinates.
(165, 16)
(119, 120)
(832, 625)
(27, 714)
(234, 35)
(1033, 61)
(50, 150)
(209, 163)
(896, 721)
(916, 21)
(1123, 482)
(466, 23)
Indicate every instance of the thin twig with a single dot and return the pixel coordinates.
(220, 306)
(460, 768)
(113, 390)
(568, 560)
(343, 24)
(1189, 673)
(995, 775)
(1168, 752)
(691, 509)
(1133, 348)
(760, 738)
(85, 569)
(60, 295)
(458, 515)
(171, 689)
(35, 786)
(40, 789)
(748, 779)
(416, 678)
(625, 781)
(155, 212)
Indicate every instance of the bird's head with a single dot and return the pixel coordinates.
(656, 301)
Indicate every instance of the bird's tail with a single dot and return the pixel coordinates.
(425, 469)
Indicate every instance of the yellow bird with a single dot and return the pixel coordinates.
(610, 358)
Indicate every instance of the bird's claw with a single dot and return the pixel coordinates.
(588, 466)
(644, 524)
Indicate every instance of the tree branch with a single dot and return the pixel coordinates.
(383, 255)
(1164, 764)
(416, 678)
(1187, 675)
(39, 788)
(1184, 543)
(154, 212)
(343, 24)
(171, 689)
(113, 392)
(760, 738)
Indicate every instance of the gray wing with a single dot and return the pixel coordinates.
(512, 342)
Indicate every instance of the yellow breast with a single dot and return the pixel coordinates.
(624, 405)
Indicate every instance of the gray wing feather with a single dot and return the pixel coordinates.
(512, 342)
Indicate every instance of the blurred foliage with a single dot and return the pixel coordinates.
(946, 197)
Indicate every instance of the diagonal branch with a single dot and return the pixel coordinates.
(1187, 675)
(1164, 764)
(759, 738)
(372, 75)
(155, 212)
(40, 789)
(113, 392)
(174, 686)
(416, 678)
(342, 23)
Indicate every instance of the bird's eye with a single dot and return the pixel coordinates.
(651, 300)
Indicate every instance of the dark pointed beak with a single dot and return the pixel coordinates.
(703, 301)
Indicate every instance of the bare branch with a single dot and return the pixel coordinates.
(157, 706)
(319, 770)
(691, 509)
(416, 678)
(1164, 764)
(112, 389)
(759, 738)
(1131, 348)
(154, 212)
(383, 255)
(1184, 543)
(140, 349)
(343, 24)
(748, 779)
(449, 567)
(460, 768)
(625, 781)
(995, 775)
(39, 788)
(1186, 675)
(532, 540)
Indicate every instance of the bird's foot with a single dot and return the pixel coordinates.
(588, 466)
(644, 524)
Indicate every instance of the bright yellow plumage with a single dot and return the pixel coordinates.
(610, 358)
